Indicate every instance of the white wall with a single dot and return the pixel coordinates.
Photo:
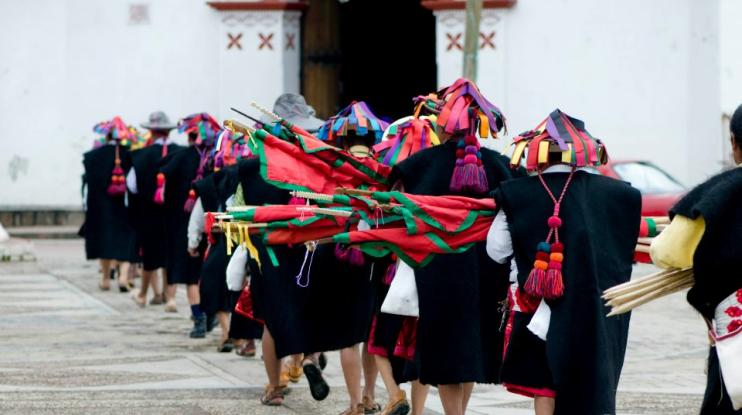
(643, 75)
(65, 65)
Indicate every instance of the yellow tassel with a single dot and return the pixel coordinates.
(567, 155)
(228, 234)
(484, 126)
(518, 152)
(251, 249)
(543, 152)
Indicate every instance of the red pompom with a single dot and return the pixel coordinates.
(542, 256)
(557, 247)
(554, 222)
(471, 140)
(460, 153)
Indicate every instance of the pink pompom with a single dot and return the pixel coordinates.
(554, 222)
(470, 159)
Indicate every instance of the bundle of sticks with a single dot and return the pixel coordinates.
(651, 226)
(625, 297)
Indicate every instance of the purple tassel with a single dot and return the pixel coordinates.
(468, 178)
(352, 256)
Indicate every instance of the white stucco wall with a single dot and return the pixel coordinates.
(644, 75)
(731, 55)
(65, 65)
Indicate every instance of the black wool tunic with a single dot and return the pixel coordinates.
(584, 348)
(458, 337)
(149, 218)
(715, 264)
(179, 169)
(341, 299)
(108, 232)
(277, 299)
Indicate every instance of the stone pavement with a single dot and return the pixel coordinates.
(67, 347)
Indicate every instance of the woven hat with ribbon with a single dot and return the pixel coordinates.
(559, 139)
(357, 118)
(406, 137)
(206, 130)
(464, 112)
(124, 135)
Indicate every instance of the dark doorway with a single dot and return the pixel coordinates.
(388, 54)
(379, 51)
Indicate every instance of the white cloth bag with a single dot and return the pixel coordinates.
(729, 350)
(236, 269)
(402, 296)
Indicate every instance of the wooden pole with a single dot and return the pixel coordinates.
(471, 39)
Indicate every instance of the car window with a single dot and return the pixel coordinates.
(648, 178)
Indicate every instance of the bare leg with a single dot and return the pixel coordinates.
(370, 373)
(223, 324)
(468, 388)
(270, 361)
(544, 405)
(148, 278)
(105, 270)
(124, 274)
(419, 394)
(170, 292)
(350, 360)
(194, 296)
(385, 369)
(452, 398)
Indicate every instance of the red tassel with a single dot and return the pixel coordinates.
(534, 283)
(160, 192)
(553, 284)
(191, 202)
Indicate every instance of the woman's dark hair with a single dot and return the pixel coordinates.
(735, 125)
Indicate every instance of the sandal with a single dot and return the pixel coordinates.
(170, 307)
(156, 300)
(291, 373)
(398, 406)
(318, 387)
(369, 406)
(225, 347)
(358, 410)
(103, 287)
(247, 349)
(272, 396)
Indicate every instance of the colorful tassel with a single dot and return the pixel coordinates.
(468, 173)
(190, 202)
(160, 191)
(117, 187)
(357, 118)
(546, 279)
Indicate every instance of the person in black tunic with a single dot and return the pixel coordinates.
(388, 331)
(108, 234)
(277, 300)
(181, 169)
(704, 234)
(458, 343)
(343, 279)
(572, 235)
(146, 197)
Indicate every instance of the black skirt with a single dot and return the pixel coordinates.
(241, 327)
(213, 287)
(278, 300)
(341, 300)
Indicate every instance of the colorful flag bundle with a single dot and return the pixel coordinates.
(559, 133)
(312, 165)
(356, 118)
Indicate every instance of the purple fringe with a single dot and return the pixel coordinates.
(469, 178)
